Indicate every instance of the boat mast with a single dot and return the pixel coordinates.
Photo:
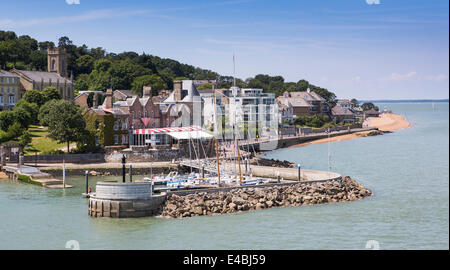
(239, 161)
(216, 135)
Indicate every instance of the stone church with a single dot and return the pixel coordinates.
(55, 76)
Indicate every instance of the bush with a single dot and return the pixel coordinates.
(329, 125)
(53, 152)
(315, 121)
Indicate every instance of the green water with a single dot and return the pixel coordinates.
(408, 172)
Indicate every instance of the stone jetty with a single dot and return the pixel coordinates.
(255, 198)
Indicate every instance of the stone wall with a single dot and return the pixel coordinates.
(255, 198)
(68, 158)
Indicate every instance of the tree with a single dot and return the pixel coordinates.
(45, 45)
(330, 97)
(6, 119)
(85, 64)
(65, 122)
(102, 64)
(354, 102)
(98, 80)
(64, 42)
(44, 112)
(38, 60)
(82, 82)
(205, 86)
(26, 113)
(34, 96)
(153, 81)
(368, 106)
(50, 93)
(15, 130)
(25, 138)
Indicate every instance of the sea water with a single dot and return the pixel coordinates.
(407, 171)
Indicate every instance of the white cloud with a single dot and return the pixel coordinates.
(356, 79)
(87, 16)
(436, 78)
(400, 77)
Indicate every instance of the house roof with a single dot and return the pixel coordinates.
(42, 75)
(4, 73)
(126, 93)
(293, 101)
(114, 111)
(308, 96)
(338, 110)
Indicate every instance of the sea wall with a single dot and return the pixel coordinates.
(282, 142)
(111, 171)
(255, 198)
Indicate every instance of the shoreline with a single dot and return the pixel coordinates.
(387, 122)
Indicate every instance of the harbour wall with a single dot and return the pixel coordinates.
(112, 171)
(235, 200)
(264, 145)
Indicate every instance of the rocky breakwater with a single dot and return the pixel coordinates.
(255, 198)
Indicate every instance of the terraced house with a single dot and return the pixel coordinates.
(304, 103)
(9, 90)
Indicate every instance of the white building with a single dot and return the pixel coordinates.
(252, 112)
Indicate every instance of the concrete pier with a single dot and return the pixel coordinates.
(33, 175)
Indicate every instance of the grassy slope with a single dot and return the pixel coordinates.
(40, 143)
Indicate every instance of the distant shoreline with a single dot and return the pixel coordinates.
(406, 100)
(386, 122)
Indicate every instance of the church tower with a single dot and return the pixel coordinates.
(57, 61)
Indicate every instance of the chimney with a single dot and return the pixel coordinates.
(95, 101)
(108, 99)
(177, 89)
(147, 92)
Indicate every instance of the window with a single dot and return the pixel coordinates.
(124, 139)
(116, 139)
(140, 115)
(1, 99)
(12, 100)
(124, 124)
(116, 125)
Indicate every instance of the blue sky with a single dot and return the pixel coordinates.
(390, 50)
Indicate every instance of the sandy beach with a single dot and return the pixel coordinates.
(386, 122)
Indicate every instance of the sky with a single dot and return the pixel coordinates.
(364, 49)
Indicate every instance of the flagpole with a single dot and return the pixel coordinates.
(234, 71)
